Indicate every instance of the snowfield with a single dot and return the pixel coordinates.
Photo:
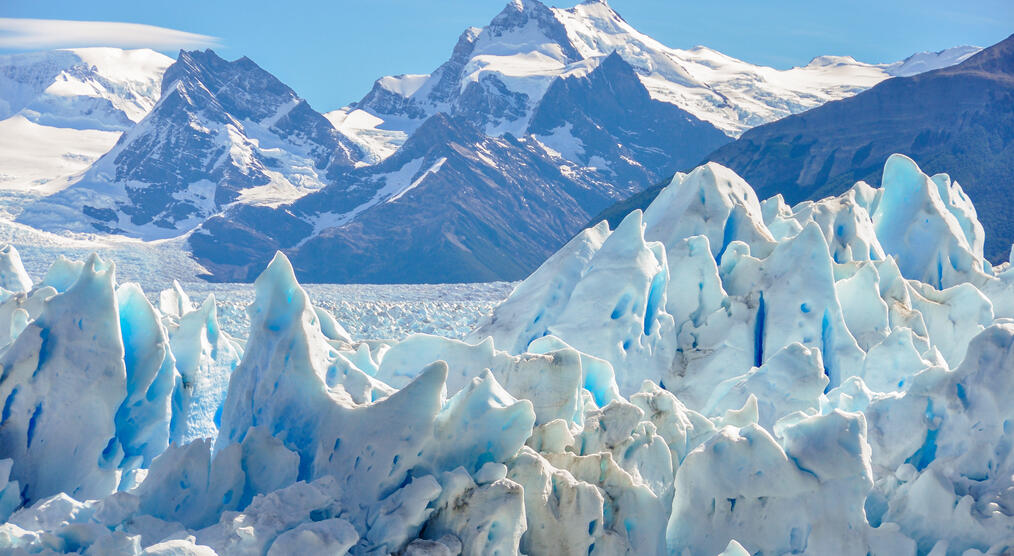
(717, 375)
(61, 110)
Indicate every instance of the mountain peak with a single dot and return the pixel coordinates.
(524, 5)
(616, 67)
(516, 8)
(60, 110)
(191, 62)
(831, 60)
(520, 13)
(199, 55)
(615, 58)
(597, 10)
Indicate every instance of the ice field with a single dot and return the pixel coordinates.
(374, 311)
(717, 375)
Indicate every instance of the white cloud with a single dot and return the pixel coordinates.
(37, 34)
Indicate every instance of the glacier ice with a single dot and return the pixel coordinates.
(717, 375)
(205, 358)
(13, 278)
(64, 380)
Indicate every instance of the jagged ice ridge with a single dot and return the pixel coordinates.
(716, 375)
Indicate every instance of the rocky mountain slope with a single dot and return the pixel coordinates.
(456, 204)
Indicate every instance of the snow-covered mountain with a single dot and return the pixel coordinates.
(456, 204)
(222, 132)
(577, 94)
(61, 110)
(497, 75)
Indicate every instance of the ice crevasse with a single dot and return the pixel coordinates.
(717, 375)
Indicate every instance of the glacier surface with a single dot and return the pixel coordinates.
(717, 375)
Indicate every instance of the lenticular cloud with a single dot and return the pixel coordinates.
(30, 34)
(717, 375)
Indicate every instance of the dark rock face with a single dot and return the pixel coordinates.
(489, 100)
(449, 73)
(236, 248)
(958, 120)
(199, 150)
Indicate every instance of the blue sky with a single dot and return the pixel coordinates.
(330, 52)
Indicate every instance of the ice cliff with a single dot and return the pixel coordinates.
(717, 375)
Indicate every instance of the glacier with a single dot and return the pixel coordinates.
(719, 374)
